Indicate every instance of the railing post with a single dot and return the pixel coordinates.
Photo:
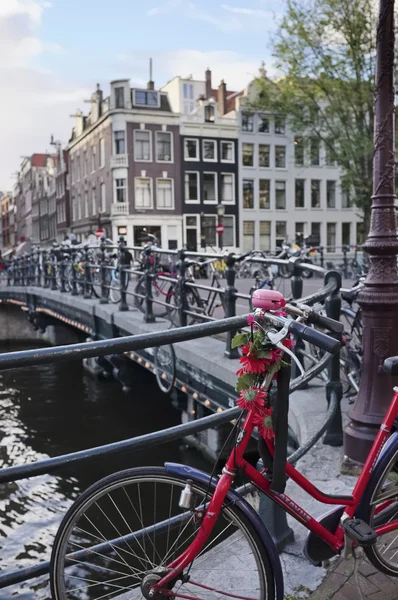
(123, 306)
(297, 292)
(53, 271)
(87, 276)
(345, 261)
(74, 274)
(149, 316)
(104, 289)
(37, 268)
(181, 295)
(230, 303)
(334, 433)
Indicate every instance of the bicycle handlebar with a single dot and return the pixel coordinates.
(313, 336)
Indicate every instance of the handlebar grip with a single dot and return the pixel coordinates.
(315, 337)
(326, 322)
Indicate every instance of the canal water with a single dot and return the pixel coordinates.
(54, 409)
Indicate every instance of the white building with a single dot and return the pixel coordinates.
(286, 187)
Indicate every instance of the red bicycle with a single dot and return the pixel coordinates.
(178, 532)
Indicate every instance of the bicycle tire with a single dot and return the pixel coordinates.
(194, 302)
(165, 365)
(115, 295)
(118, 489)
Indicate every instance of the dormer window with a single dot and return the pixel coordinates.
(146, 98)
(209, 113)
(119, 97)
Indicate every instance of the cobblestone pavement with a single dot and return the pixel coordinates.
(342, 584)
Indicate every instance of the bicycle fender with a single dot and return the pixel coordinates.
(249, 512)
(387, 453)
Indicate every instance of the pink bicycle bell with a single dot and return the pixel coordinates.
(268, 300)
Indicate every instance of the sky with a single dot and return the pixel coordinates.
(53, 52)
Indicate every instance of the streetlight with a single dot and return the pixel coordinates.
(220, 224)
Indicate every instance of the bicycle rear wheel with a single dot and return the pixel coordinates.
(115, 288)
(117, 539)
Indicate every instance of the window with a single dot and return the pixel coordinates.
(315, 193)
(142, 145)
(280, 233)
(346, 234)
(208, 230)
(248, 155)
(247, 122)
(93, 158)
(143, 196)
(185, 90)
(210, 188)
(121, 190)
(191, 150)
(79, 207)
(163, 146)
(85, 163)
(101, 153)
(93, 202)
(227, 151)
(299, 193)
(164, 194)
(265, 236)
(146, 98)
(85, 204)
(345, 198)
(299, 151)
(119, 101)
(191, 187)
(280, 125)
(74, 209)
(264, 186)
(227, 188)
(331, 237)
(263, 155)
(331, 194)
(209, 150)
(248, 193)
(316, 234)
(72, 170)
(248, 236)
(360, 233)
(299, 231)
(263, 125)
(280, 157)
(78, 170)
(120, 146)
(103, 197)
(314, 151)
(280, 195)
(330, 153)
(209, 113)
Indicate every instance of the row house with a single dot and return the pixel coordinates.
(289, 185)
(8, 221)
(62, 193)
(124, 166)
(209, 162)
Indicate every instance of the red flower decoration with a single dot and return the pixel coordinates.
(245, 349)
(250, 320)
(263, 420)
(288, 343)
(252, 364)
(252, 397)
(275, 354)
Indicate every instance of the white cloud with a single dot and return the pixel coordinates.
(33, 102)
(248, 12)
(236, 69)
(192, 11)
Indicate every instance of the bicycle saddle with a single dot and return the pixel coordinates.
(350, 296)
(390, 365)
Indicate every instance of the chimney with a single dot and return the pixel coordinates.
(151, 83)
(208, 83)
(222, 98)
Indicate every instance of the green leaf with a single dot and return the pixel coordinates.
(245, 381)
(263, 354)
(239, 339)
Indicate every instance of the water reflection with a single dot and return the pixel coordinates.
(55, 409)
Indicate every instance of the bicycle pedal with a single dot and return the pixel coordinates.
(359, 532)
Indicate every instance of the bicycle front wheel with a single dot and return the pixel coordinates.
(120, 535)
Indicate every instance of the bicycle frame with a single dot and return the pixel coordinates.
(263, 483)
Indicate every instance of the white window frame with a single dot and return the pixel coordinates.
(197, 226)
(103, 197)
(148, 105)
(170, 133)
(275, 152)
(214, 142)
(94, 200)
(93, 162)
(101, 158)
(144, 160)
(115, 194)
(124, 141)
(172, 193)
(229, 203)
(150, 191)
(186, 158)
(198, 186)
(215, 187)
(223, 160)
(233, 230)
(86, 202)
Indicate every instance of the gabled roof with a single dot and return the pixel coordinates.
(38, 160)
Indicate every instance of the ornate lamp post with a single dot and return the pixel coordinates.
(220, 213)
(379, 299)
